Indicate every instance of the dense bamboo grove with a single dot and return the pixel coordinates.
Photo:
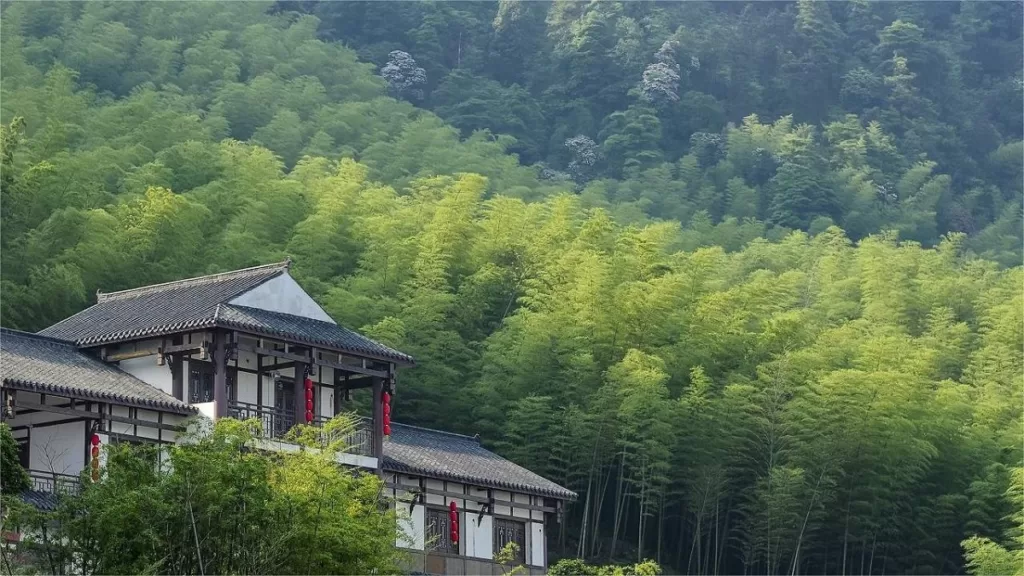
(727, 393)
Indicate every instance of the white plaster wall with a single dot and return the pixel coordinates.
(59, 448)
(480, 539)
(207, 409)
(282, 294)
(537, 544)
(412, 526)
(147, 370)
(521, 512)
(247, 385)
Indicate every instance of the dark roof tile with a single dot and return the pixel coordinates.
(198, 303)
(160, 308)
(34, 362)
(306, 330)
(414, 450)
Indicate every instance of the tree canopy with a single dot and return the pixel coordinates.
(747, 277)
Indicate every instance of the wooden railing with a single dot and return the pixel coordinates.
(277, 422)
(54, 483)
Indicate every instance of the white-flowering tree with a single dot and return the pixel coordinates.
(584, 157)
(660, 83)
(404, 78)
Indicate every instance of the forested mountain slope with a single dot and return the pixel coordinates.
(885, 114)
(726, 396)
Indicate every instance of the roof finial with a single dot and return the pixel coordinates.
(288, 263)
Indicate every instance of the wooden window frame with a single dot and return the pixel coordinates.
(443, 543)
(206, 369)
(500, 538)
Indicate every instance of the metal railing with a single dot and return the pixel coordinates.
(277, 422)
(54, 483)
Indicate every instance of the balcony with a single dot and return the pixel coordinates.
(277, 422)
(53, 483)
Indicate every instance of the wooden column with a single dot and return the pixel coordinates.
(300, 393)
(177, 365)
(259, 381)
(378, 422)
(220, 375)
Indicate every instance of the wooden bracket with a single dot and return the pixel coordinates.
(487, 507)
(417, 496)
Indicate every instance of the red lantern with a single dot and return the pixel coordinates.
(309, 405)
(453, 515)
(94, 463)
(309, 416)
(309, 394)
(386, 398)
(387, 429)
(387, 409)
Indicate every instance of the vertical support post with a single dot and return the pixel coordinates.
(378, 422)
(299, 392)
(177, 366)
(220, 375)
(259, 381)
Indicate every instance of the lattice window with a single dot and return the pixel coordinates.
(200, 381)
(438, 531)
(506, 531)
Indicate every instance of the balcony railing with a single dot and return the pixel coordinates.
(277, 422)
(53, 483)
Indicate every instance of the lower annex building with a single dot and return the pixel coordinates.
(252, 343)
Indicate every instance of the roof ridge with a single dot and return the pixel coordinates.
(208, 278)
(22, 333)
(445, 432)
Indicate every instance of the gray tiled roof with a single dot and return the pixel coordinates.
(45, 501)
(306, 330)
(414, 450)
(33, 362)
(198, 303)
(160, 308)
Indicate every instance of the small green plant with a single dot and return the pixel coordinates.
(507, 557)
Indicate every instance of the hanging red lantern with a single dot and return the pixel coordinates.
(308, 384)
(385, 400)
(94, 463)
(453, 516)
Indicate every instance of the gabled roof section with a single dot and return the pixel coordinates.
(307, 330)
(51, 366)
(201, 303)
(160, 308)
(437, 454)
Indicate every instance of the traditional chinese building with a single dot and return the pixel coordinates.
(252, 344)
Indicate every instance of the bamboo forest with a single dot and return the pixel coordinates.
(745, 276)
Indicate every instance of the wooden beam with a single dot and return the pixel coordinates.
(175, 362)
(170, 349)
(378, 423)
(99, 416)
(220, 375)
(309, 359)
(299, 392)
(259, 381)
(472, 498)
